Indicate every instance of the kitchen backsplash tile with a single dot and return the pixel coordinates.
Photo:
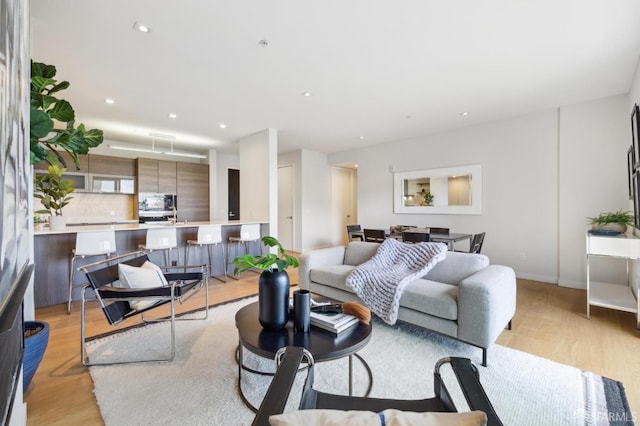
(89, 208)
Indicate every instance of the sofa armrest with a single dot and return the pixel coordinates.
(317, 258)
(486, 303)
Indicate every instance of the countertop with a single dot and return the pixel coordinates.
(41, 229)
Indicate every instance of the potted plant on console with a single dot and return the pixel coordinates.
(273, 284)
(611, 222)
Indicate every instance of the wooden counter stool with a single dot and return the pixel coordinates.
(209, 236)
(161, 238)
(89, 244)
(248, 234)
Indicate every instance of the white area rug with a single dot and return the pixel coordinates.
(200, 387)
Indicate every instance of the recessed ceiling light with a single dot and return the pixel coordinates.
(222, 126)
(361, 137)
(407, 117)
(109, 101)
(263, 43)
(172, 115)
(464, 114)
(306, 94)
(141, 27)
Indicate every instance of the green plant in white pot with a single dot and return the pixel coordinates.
(54, 193)
(612, 221)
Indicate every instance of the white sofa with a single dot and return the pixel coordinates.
(463, 296)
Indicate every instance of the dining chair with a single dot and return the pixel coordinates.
(354, 228)
(415, 237)
(374, 235)
(475, 244)
(438, 230)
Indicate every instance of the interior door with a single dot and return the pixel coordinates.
(233, 179)
(342, 202)
(285, 206)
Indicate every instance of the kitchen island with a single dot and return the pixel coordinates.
(53, 251)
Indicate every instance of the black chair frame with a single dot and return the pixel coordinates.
(290, 358)
(114, 300)
(415, 237)
(354, 228)
(374, 235)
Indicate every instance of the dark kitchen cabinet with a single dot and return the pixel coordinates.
(157, 176)
(193, 191)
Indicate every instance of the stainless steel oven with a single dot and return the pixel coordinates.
(154, 207)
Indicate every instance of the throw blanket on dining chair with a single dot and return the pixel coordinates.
(379, 282)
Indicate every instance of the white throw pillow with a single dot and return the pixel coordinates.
(146, 276)
(369, 418)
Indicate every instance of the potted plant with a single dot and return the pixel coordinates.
(273, 284)
(36, 338)
(612, 221)
(47, 139)
(53, 192)
(428, 198)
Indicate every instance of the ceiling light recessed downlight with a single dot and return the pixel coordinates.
(263, 42)
(306, 94)
(361, 137)
(141, 27)
(464, 113)
(222, 126)
(109, 101)
(172, 115)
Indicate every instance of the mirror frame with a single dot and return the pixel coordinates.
(475, 170)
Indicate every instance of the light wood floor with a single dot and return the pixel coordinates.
(550, 322)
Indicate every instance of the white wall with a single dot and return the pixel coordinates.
(543, 173)
(259, 178)
(312, 208)
(594, 138)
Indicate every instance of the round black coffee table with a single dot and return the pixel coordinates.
(323, 345)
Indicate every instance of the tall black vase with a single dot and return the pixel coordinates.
(273, 299)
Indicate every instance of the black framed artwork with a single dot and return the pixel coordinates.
(635, 123)
(630, 163)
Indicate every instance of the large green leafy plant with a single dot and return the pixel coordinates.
(53, 121)
(53, 191)
(266, 262)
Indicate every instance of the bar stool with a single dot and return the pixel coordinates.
(89, 244)
(209, 236)
(248, 234)
(162, 238)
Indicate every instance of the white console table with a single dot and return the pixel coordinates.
(613, 296)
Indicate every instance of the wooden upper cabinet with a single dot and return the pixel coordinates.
(167, 177)
(147, 176)
(82, 159)
(193, 191)
(106, 165)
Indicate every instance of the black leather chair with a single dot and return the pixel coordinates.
(354, 228)
(374, 235)
(115, 300)
(415, 237)
(290, 358)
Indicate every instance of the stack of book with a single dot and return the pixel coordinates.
(333, 322)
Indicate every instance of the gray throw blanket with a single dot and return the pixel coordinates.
(379, 282)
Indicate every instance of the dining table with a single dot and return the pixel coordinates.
(449, 239)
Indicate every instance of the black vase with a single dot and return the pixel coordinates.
(273, 299)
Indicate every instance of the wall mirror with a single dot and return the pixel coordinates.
(449, 190)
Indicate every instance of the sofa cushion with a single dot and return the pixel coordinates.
(456, 267)
(358, 252)
(434, 298)
(333, 275)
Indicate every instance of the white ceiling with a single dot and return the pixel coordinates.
(379, 69)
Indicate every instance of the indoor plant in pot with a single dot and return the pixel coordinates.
(54, 193)
(612, 221)
(36, 338)
(273, 285)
